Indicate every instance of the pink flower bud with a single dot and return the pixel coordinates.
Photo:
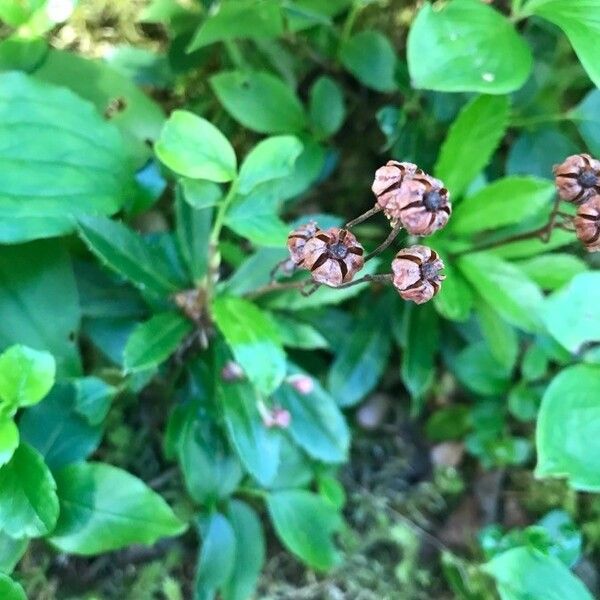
(303, 384)
(231, 371)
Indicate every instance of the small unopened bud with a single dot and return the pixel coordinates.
(303, 384)
(578, 178)
(417, 275)
(232, 371)
(587, 224)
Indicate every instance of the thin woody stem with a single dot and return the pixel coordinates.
(366, 279)
(364, 216)
(275, 286)
(390, 238)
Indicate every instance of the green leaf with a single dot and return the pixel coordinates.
(11, 552)
(93, 399)
(581, 23)
(55, 429)
(199, 193)
(327, 108)
(86, 173)
(371, 58)
(501, 338)
(298, 334)
(28, 502)
(254, 340)
(257, 447)
(242, 19)
(507, 201)
(552, 271)
(103, 508)
(471, 141)
(360, 362)
(305, 522)
(586, 116)
(249, 552)
(18, 13)
(571, 314)
(523, 402)
(9, 439)
(270, 159)
(217, 556)
(35, 279)
(525, 248)
(129, 255)
(10, 590)
(524, 573)
(26, 376)
(259, 101)
(317, 424)
(193, 147)
(152, 342)
(568, 428)
(455, 299)
(462, 46)
(505, 288)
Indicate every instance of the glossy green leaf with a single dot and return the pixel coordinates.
(580, 21)
(523, 402)
(570, 314)
(505, 288)
(525, 248)
(254, 340)
(259, 101)
(535, 363)
(298, 334)
(471, 141)
(18, 13)
(103, 508)
(507, 201)
(371, 58)
(9, 439)
(21, 54)
(11, 552)
(552, 271)
(129, 255)
(454, 301)
(524, 573)
(93, 398)
(243, 19)
(193, 147)
(568, 428)
(461, 46)
(587, 118)
(152, 342)
(199, 193)
(28, 502)
(305, 522)
(87, 173)
(327, 108)
(501, 338)
(10, 590)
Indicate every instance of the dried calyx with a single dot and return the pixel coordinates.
(578, 178)
(587, 224)
(417, 273)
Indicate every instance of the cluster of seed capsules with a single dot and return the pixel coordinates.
(578, 181)
(411, 200)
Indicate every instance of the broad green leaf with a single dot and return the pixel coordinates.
(523, 573)
(57, 431)
(199, 193)
(327, 108)
(254, 340)
(523, 402)
(217, 555)
(87, 171)
(152, 342)
(242, 19)
(317, 424)
(580, 20)
(257, 447)
(526, 248)
(249, 552)
(471, 141)
(504, 202)
(298, 334)
(535, 363)
(501, 338)
(26, 376)
(571, 315)
(93, 399)
(28, 502)
(35, 279)
(18, 13)
(9, 439)
(21, 54)
(462, 46)
(193, 147)
(360, 362)
(103, 508)
(586, 116)
(552, 271)
(11, 552)
(505, 288)
(371, 58)
(455, 299)
(259, 101)
(10, 590)
(568, 428)
(305, 522)
(127, 253)
(270, 159)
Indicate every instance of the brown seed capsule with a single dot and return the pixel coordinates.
(587, 224)
(333, 256)
(417, 274)
(422, 205)
(298, 238)
(578, 178)
(389, 179)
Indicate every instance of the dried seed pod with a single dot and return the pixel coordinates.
(578, 178)
(587, 224)
(333, 256)
(297, 240)
(417, 274)
(422, 205)
(389, 179)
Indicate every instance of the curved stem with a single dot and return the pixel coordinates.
(363, 217)
(390, 238)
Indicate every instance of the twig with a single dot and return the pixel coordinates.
(366, 279)
(364, 216)
(390, 238)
